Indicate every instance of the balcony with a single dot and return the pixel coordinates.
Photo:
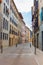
(13, 21)
(13, 32)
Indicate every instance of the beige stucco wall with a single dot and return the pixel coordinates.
(4, 42)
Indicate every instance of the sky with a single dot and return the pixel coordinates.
(24, 6)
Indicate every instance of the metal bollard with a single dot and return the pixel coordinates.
(30, 45)
(16, 45)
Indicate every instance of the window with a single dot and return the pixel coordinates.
(5, 36)
(13, 21)
(5, 24)
(11, 8)
(7, 1)
(6, 10)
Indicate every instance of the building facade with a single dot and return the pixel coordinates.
(37, 23)
(41, 24)
(13, 31)
(4, 22)
(22, 28)
(23, 32)
(12, 27)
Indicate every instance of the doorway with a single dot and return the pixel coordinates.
(10, 41)
(37, 40)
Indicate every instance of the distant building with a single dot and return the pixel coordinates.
(22, 28)
(27, 36)
(31, 34)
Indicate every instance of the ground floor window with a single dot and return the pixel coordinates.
(5, 36)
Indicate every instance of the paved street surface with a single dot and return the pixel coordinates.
(20, 55)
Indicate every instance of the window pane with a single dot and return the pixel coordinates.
(5, 24)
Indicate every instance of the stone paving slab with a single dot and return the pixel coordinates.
(25, 61)
(39, 57)
(22, 55)
(19, 60)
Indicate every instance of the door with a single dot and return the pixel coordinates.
(37, 40)
(42, 40)
(9, 41)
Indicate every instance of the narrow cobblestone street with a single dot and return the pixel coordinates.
(20, 55)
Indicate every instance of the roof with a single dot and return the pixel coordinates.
(20, 15)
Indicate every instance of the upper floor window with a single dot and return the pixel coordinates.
(5, 24)
(11, 8)
(13, 21)
(7, 2)
(6, 10)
